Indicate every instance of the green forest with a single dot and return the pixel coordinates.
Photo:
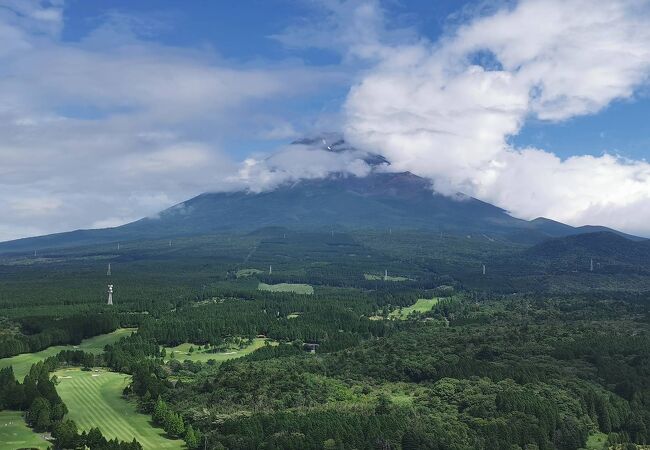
(540, 352)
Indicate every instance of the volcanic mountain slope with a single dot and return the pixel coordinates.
(379, 200)
(400, 200)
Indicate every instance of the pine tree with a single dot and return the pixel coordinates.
(39, 414)
(58, 411)
(160, 412)
(65, 433)
(191, 438)
(174, 424)
(94, 439)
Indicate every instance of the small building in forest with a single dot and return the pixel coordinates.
(310, 347)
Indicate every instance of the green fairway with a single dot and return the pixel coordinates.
(243, 273)
(22, 363)
(422, 305)
(94, 399)
(182, 352)
(370, 276)
(15, 434)
(287, 287)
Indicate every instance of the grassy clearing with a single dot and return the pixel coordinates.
(182, 352)
(370, 276)
(422, 305)
(596, 441)
(22, 363)
(245, 273)
(14, 433)
(287, 287)
(95, 400)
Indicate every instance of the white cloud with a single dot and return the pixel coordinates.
(351, 26)
(429, 108)
(166, 160)
(34, 207)
(31, 17)
(282, 130)
(297, 162)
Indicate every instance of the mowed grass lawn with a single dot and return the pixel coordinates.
(422, 305)
(287, 287)
(23, 362)
(182, 352)
(370, 277)
(14, 433)
(94, 399)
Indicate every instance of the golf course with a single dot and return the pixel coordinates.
(182, 352)
(94, 399)
(22, 363)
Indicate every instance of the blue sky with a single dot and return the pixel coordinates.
(238, 30)
(242, 32)
(622, 127)
(114, 110)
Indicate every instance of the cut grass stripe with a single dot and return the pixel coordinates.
(101, 414)
(96, 401)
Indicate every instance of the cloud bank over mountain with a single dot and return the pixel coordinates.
(296, 162)
(447, 109)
